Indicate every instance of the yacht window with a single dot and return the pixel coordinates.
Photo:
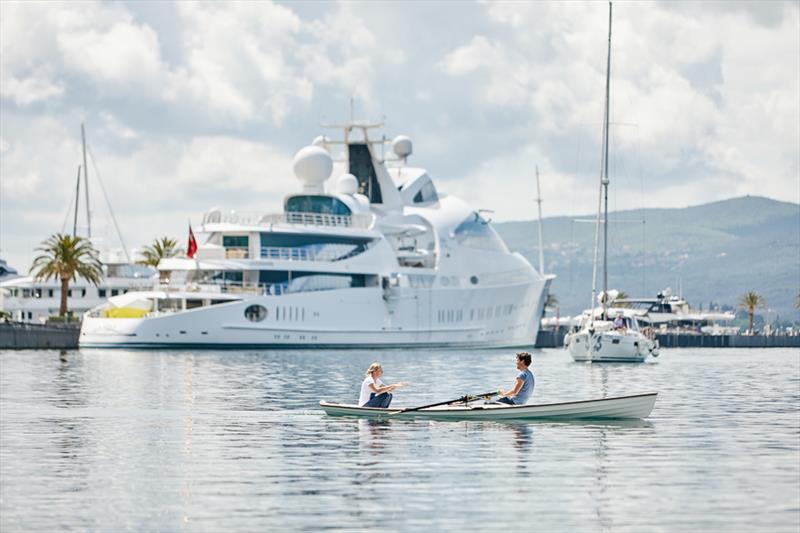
(255, 313)
(426, 194)
(192, 304)
(360, 165)
(49, 293)
(475, 232)
(101, 293)
(235, 241)
(170, 304)
(326, 205)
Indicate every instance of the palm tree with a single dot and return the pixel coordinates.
(749, 302)
(163, 248)
(64, 257)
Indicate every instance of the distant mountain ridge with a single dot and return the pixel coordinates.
(713, 252)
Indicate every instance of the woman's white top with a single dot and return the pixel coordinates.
(366, 391)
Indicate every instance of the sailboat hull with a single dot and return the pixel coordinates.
(610, 347)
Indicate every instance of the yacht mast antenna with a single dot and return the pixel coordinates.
(86, 185)
(352, 105)
(541, 241)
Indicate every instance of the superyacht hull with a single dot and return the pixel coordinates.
(354, 318)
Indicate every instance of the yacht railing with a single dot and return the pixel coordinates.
(328, 252)
(358, 220)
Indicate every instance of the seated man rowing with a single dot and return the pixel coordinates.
(523, 387)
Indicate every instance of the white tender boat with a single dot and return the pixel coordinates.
(636, 406)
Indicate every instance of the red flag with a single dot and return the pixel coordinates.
(191, 249)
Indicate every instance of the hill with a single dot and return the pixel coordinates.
(710, 253)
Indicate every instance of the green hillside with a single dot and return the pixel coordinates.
(713, 252)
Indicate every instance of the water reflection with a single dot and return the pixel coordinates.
(372, 435)
(69, 387)
(162, 438)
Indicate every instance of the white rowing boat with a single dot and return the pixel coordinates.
(636, 406)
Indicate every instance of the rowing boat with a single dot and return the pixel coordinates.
(636, 406)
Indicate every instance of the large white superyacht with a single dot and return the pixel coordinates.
(373, 257)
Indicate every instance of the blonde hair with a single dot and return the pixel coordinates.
(372, 368)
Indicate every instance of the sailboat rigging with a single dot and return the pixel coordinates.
(600, 339)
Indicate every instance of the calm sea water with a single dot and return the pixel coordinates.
(112, 440)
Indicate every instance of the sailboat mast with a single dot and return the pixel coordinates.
(605, 179)
(541, 240)
(86, 185)
(77, 197)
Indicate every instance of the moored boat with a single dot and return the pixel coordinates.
(635, 406)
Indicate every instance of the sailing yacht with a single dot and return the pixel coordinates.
(26, 299)
(376, 256)
(608, 334)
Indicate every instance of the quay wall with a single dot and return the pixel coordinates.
(555, 339)
(23, 336)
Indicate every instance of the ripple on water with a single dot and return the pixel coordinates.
(119, 440)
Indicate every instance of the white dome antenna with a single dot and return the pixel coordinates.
(312, 166)
(347, 184)
(322, 141)
(402, 147)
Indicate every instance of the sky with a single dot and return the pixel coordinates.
(190, 106)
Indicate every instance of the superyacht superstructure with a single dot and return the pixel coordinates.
(375, 256)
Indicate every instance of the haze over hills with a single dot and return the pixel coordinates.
(710, 253)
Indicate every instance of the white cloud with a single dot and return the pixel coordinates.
(743, 125)
(26, 91)
(195, 104)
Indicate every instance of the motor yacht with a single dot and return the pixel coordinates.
(374, 255)
(668, 313)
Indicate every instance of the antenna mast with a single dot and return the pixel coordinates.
(541, 241)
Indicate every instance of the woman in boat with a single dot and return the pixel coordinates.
(374, 393)
(523, 387)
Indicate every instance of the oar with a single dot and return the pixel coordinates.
(465, 399)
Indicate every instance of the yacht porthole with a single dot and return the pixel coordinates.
(473, 280)
(255, 313)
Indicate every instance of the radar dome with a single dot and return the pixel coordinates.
(322, 141)
(347, 184)
(312, 166)
(401, 145)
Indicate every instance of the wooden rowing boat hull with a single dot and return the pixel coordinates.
(636, 406)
